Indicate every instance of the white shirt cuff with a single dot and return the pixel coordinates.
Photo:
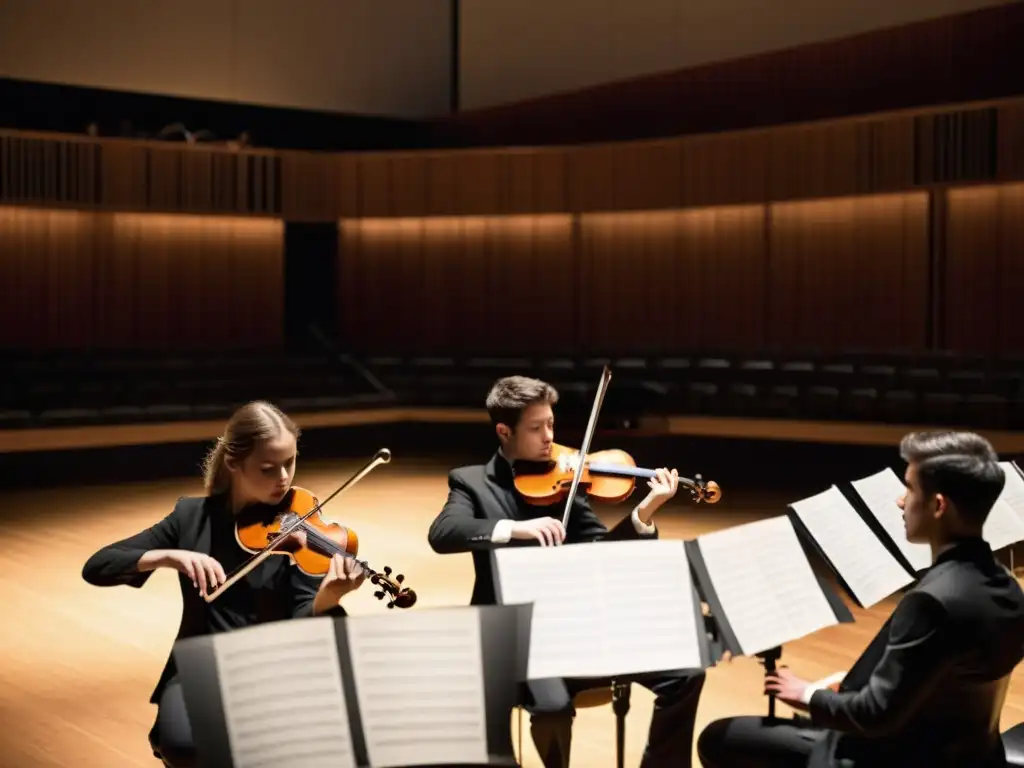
(818, 685)
(502, 533)
(641, 527)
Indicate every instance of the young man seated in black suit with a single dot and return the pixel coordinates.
(484, 511)
(929, 689)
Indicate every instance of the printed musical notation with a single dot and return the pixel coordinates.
(863, 562)
(420, 682)
(597, 597)
(766, 586)
(283, 699)
(880, 493)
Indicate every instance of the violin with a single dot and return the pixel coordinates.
(295, 528)
(311, 542)
(608, 475)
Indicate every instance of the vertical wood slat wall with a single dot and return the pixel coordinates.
(101, 280)
(827, 275)
(792, 237)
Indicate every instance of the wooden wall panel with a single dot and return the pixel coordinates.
(124, 175)
(984, 275)
(442, 187)
(662, 282)
(457, 285)
(648, 175)
(812, 161)
(478, 181)
(407, 190)
(50, 170)
(849, 273)
(534, 182)
(375, 186)
(1011, 141)
(886, 150)
(719, 170)
(592, 178)
(107, 280)
(726, 251)
(977, 143)
(46, 258)
(170, 178)
(318, 188)
(841, 158)
(638, 176)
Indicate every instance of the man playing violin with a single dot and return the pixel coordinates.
(484, 510)
(253, 463)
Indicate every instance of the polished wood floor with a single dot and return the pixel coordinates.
(78, 663)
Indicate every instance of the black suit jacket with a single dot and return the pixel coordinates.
(481, 495)
(272, 591)
(930, 687)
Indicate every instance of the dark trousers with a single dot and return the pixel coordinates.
(669, 740)
(745, 742)
(171, 736)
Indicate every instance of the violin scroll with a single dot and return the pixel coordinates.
(400, 596)
(705, 491)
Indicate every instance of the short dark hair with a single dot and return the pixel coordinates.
(962, 466)
(510, 396)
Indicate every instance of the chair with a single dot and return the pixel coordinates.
(617, 694)
(1013, 743)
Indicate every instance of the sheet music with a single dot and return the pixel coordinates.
(283, 699)
(864, 563)
(1013, 491)
(766, 586)
(880, 492)
(1003, 526)
(604, 608)
(420, 681)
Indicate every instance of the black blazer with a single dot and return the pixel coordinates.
(481, 495)
(272, 591)
(930, 687)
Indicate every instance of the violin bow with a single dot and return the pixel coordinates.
(602, 388)
(383, 456)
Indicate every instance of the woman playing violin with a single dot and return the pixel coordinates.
(253, 463)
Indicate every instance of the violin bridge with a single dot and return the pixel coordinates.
(569, 462)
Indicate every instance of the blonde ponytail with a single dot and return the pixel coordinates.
(215, 471)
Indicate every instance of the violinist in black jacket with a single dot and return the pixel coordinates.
(253, 463)
(930, 687)
(484, 511)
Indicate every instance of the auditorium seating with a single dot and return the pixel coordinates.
(70, 390)
(64, 390)
(873, 387)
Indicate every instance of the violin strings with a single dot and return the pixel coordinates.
(332, 546)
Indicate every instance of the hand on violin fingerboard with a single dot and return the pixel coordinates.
(344, 575)
(548, 531)
(663, 487)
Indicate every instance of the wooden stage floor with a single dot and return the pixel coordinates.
(79, 662)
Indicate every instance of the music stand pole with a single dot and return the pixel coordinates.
(769, 658)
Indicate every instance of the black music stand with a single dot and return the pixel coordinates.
(504, 641)
(726, 636)
(552, 694)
